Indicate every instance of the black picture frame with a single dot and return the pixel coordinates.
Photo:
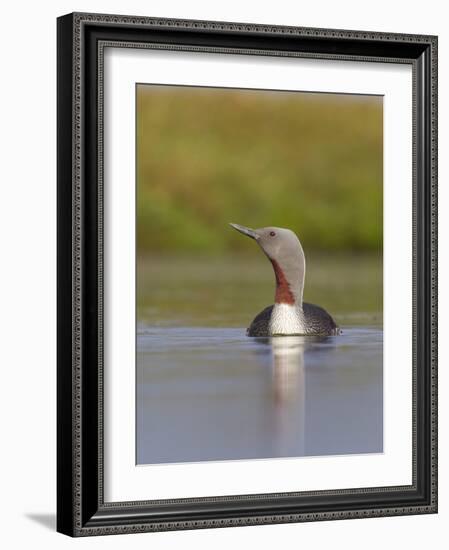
(81, 509)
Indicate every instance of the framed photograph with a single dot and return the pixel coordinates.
(247, 280)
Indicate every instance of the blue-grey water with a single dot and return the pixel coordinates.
(215, 394)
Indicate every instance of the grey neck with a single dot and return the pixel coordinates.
(290, 273)
(295, 272)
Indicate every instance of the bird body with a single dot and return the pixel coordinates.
(277, 320)
(289, 315)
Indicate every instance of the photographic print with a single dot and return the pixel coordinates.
(247, 274)
(259, 241)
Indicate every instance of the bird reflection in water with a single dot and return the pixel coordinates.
(289, 388)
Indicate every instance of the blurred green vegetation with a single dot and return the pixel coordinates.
(206, 157)
(228, 291)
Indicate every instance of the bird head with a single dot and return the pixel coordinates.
(278, 243)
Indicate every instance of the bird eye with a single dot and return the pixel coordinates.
(272, 233)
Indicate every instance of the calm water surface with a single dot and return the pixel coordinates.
(214, 394)
(205, 391)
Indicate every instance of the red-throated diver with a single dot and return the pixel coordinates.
(289, 315)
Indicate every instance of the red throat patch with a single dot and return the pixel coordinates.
(283, 293)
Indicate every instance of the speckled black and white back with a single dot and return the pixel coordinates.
(316, 322)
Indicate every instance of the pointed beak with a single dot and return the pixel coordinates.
(245, 230)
